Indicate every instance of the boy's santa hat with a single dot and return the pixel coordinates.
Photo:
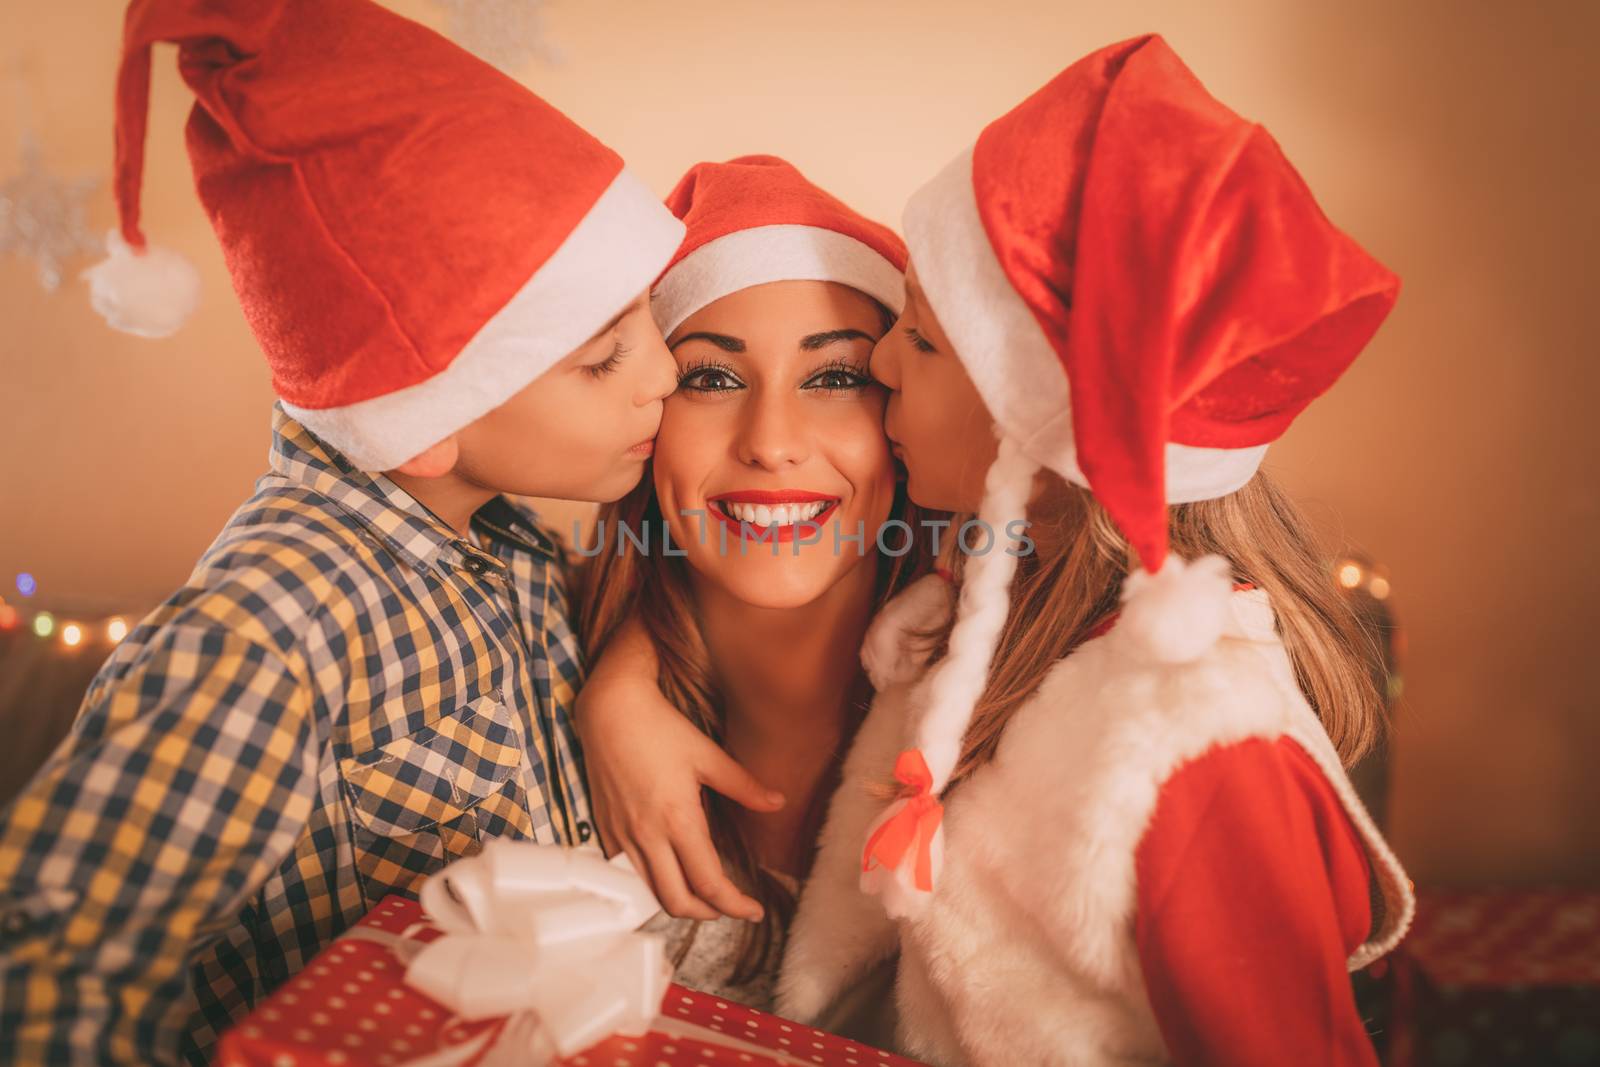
(1146, 294)
(414, 236)
(756, 219)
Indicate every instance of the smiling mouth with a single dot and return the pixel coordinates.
(776, 513)
(760, 515)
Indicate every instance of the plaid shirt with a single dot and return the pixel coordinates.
(345, 695)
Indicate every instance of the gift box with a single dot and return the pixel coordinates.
(352, 1008)
(1499, 979)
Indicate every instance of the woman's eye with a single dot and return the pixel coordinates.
(708, 380)
(839, 381)
(839, 377)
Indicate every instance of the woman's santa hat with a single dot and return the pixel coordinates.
(1146, 294)
(757, 219)
(414, 236)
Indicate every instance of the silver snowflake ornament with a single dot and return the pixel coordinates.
(43, 217)
(508, 34)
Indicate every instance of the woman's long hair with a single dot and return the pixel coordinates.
(1059, 598)
(622, 581)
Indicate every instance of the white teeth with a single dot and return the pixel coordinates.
(776, 515)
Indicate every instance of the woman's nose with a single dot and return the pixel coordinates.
(772, 435)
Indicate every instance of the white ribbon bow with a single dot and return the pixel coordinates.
(544, 930)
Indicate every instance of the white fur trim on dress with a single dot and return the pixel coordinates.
(763, 254)
(1005, 351)
(891, 651)
(609, 258)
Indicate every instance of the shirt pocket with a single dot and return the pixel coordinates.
(436, 795)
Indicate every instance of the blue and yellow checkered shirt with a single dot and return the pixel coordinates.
(345, 695)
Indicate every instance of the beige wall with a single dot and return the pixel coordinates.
(1457, 141)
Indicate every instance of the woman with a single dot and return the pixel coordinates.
(771, 481)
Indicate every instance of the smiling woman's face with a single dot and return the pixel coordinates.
(776, 432)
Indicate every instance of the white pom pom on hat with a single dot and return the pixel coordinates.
(1176, 614)
(149, 293)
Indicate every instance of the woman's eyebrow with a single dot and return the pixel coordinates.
(815, 341)
(721, 340)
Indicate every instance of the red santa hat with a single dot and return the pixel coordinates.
(1146, 294)
(414, 237)
(756, 219)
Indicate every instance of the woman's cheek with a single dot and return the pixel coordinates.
(862, 452)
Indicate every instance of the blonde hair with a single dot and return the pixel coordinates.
(1059, 597)
(655, 589)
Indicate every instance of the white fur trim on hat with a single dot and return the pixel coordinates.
(609, 258)
(763, 254)
(985, 602)
(1005, 351)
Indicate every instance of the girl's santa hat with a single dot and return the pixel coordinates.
(1146, 294)
(414, 236)
(756, 219)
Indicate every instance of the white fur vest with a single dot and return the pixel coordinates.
(1024, 953)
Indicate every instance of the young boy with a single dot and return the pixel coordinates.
(370, 671)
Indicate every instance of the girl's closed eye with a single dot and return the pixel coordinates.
(618, 353)
(839, 376)
(708, 376)
(919, 342)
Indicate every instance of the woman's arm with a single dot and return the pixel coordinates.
(646, 766)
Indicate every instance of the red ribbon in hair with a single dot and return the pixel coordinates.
(911, 826)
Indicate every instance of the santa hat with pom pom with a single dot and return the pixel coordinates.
(414, 236)
(1145, 294)
(757, 219)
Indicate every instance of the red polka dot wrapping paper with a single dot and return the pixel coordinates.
(1498, 978)
(351, 1008)
(1489, 939)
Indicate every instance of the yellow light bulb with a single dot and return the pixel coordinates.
(71, 634)
(1350, 575)
(116, 630)
(44, 624)
(1379, 588)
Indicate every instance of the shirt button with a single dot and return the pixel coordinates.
(15, 924)
(476, 564)
(585, 831)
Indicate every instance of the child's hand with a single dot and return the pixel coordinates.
(646, 766)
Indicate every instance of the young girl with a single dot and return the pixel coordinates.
(1122, 835)
(1123, 832)
(773, 476)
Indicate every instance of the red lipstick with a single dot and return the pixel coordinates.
(771, 496)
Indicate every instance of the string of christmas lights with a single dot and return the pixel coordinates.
(1355, 575)
(70, 632)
